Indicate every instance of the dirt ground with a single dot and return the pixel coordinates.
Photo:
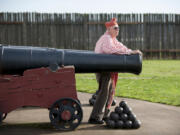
(157, 119)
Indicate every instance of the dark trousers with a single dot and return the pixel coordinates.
(105, 86)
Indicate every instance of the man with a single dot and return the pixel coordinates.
(107, 44)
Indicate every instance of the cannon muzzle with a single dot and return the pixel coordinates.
(17, 59)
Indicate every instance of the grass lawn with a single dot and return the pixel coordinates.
(159, 82)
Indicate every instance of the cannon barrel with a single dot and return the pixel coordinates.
(17, 59)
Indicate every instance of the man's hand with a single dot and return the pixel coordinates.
(136, 52)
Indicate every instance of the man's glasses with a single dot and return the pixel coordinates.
(116, 28)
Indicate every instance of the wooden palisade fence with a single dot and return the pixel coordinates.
(157, 35)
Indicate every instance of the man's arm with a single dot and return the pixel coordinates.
(109, 47)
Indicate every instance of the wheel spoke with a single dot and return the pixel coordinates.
(54, 118)
(55, 111)
(59, 104)
(78, 117)
(59, 107)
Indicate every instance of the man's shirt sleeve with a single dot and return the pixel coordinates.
(110, 46)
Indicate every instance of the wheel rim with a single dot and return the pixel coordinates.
(66, 114)
(1, 117)
(4, 116)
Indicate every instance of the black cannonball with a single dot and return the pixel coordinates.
(94, 96)
(92, 101)
(114, 116)
(113, 102)
(136, 124)
(128, 124)
(124, 117)
(127, 109)
(110, 123)
(132, 116)
(123, 104)
(118, 109)
(119, 124)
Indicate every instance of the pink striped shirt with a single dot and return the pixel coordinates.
(108, 45)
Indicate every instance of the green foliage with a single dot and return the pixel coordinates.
(159, 82)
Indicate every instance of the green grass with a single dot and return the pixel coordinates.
(159, 82)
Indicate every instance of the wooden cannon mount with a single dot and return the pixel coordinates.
(45, 88)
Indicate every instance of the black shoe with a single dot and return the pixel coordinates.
(95, 121)
(105, 118)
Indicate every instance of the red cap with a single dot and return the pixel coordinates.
(111, 23)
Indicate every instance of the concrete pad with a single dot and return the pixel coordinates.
(157, 119)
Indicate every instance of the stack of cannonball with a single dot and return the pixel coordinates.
(92, 100)
(123, 118)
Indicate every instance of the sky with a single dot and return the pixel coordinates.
(91, 6)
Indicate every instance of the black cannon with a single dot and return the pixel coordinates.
(17, 59)
(30, 76)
